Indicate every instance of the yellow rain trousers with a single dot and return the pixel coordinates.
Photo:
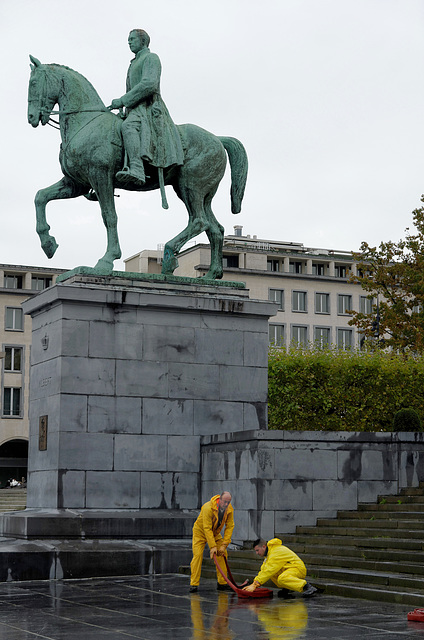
(283, 567)
(206, 530)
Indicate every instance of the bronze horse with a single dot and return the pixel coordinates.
(92, 153)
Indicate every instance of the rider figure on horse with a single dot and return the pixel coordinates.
(148, 131)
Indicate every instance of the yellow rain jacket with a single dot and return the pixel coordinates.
(279, 560)
(207, 522)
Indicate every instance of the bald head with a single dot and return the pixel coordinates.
(224, 500)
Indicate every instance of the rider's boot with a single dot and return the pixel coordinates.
(133, 174)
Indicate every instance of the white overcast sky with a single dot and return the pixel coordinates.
(326, 95)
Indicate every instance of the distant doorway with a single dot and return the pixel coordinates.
(13, 461)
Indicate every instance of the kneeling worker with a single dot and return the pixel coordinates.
(283, 567)
(213, 516)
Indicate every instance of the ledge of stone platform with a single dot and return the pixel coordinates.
(38, 524)
(64, 559)
(133, 276)
(314, 436)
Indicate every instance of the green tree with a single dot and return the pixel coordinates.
(393, 274)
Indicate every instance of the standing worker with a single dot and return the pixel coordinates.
(213, 516)
(283, 567)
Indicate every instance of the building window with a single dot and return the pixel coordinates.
(13, 359)
(300, 335)
(340, 271)
(277, 295)
(40, 283)
(318, 269)
(14, 319)
(366, 305)
(295, 267)
(322, 303)
(344, 304)
(273, 265)
(276, 334)
(322, 336)
(12, 401)
(230, 261)
(12, 281)
(299, 301)
(344, 339)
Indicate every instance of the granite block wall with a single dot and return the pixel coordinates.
(281, 479)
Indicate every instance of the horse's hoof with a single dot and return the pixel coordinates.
(49, 247)
(103, 268)
(214, 275)
(169, 263)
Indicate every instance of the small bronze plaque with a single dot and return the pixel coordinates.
(42, 435)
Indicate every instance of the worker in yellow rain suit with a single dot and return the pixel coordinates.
(214, 515)
(283, 567)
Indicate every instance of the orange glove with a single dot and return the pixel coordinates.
(212, 551)
(221, 550)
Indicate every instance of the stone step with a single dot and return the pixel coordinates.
(363, 590)
(302, 541)
(412, 491)
(386, 514)
(13, 499)
(371, 578)
(340, 562)
(371, 523)
(381, 555)
(393, 507)
(372, 530)
(402, 499)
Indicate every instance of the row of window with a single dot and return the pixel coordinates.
(231, 261)
(299, 302)
(318, 268)
(299, 334)
(38, 283)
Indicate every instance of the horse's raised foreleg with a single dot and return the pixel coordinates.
(61, 190)
(104, 191)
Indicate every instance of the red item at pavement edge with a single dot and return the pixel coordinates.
(260, 592)
(417, 615)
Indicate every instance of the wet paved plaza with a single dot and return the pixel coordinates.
(160, 607)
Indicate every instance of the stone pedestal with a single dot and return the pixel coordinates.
(126, 377)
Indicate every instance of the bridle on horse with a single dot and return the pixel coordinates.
(44, 109)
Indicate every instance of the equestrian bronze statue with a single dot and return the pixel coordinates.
(142, 151)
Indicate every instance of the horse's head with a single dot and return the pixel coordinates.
(41, 93)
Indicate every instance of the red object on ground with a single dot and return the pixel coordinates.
(417, 615)
(260, 592)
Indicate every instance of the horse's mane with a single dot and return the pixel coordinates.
(55, 65)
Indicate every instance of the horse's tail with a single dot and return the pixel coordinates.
(238, 163)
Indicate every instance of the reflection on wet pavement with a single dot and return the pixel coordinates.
(160, 607)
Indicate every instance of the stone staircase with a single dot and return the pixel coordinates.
(376, 552)
(13, 499)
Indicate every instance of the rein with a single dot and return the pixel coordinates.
(68, 113)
